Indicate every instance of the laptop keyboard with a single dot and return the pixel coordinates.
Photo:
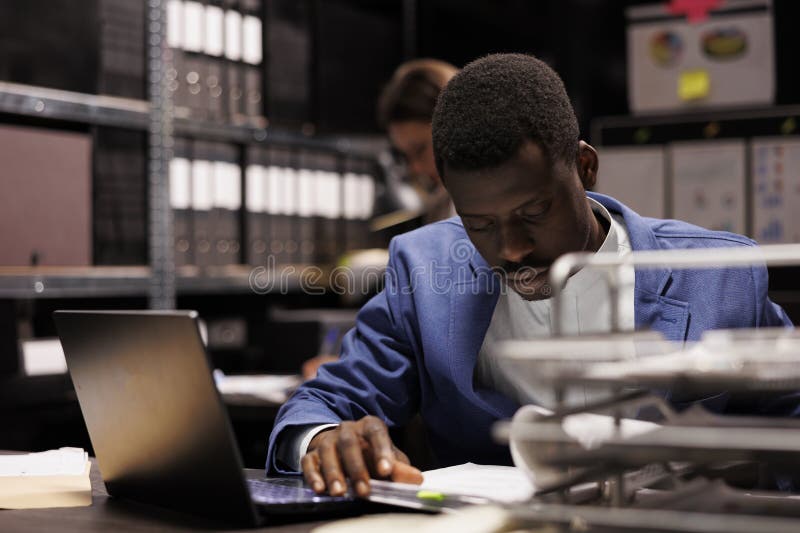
(286, 491)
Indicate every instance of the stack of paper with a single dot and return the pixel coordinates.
(55, 478)
(273, 388)
(505, 484)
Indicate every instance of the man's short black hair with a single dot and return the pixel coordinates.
(496, 103)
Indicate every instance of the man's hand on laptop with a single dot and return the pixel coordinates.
(355, 450)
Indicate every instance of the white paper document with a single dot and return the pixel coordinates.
(505, 484)
(635, 177)
(708, 184)
(61, 462)
(273, 388)
(775, 167)
(55, 478)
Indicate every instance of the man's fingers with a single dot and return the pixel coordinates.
(331, 469)
(376, 434)
(405, 473)
(400, 456)
(351, 447)
(311, 473)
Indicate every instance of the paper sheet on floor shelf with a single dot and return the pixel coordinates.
(505, 484)
(274, 388)
(55, 478)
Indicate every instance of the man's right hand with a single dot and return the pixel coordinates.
(355, 450)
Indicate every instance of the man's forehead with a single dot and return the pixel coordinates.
(528, 173)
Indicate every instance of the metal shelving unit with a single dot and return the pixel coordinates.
(700, 124)
(94, 282)
(159, 280)
(161, 286)
(55, 104)
(99, 110)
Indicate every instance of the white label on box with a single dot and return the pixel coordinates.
(43, 357)
(202, 185)
(175, 23)
(193, 22)
(334, 194)
(214, 42)
(351, 186)
(251, 31)
(288, 192)
(306, 193)
(255, 194)
(273, 201)
(233, 35)
(180, 183)
(234, 174)
(366, 196)
(227, 185)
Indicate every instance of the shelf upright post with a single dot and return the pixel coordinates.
(160, 143)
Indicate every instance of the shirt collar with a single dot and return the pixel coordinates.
(611, 242)
(585, 278)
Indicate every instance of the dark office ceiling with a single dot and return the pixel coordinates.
(584, 40)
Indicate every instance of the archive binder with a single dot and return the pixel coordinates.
(307, 205)
(281, 205)
(234, 77)
(354, 235)
(227, 178)
(202, 203)
(122, 69)
(256, 221)
(359, 199)
(177, 74)
(328, 207)
(289, 73)
(252, 55)
(194, 63)
(180, 199)
(213, 47)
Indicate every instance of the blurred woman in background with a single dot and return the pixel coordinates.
(405, 109)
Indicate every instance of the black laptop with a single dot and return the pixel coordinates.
(157, 423)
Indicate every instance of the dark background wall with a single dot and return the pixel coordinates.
(333, 56)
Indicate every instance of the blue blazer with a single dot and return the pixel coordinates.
(415, 345)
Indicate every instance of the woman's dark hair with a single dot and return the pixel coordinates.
(412, 92)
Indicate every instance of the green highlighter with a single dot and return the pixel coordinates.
(430, 495)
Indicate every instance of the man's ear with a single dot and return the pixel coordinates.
(587, 165)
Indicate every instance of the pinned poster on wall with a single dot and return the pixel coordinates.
(708, 184)
(635, 177)
(776, 189)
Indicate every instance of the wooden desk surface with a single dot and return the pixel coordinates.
(108, 514)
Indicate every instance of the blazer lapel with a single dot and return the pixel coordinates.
(471, 308)
(652, 308)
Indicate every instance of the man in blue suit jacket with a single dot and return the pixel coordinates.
(506, 144)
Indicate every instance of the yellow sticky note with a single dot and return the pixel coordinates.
(694, 84)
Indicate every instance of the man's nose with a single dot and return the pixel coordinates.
(515, 244)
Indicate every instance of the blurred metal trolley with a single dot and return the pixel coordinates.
(689, 471)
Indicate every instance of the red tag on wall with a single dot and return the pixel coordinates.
(695, 10)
